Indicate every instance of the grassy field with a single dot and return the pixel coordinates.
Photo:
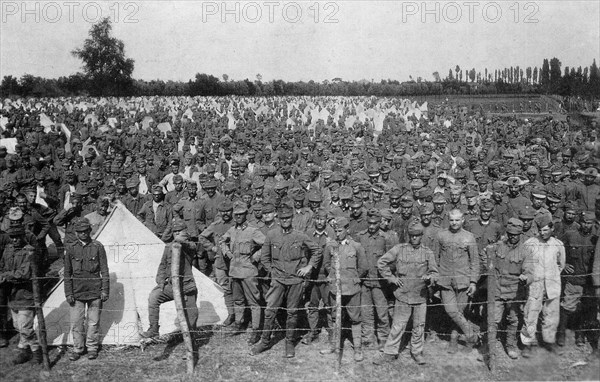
(223, 358)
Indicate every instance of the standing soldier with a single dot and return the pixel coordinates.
(544, 266)
(458, 260)
(415, 266)
(209, 239)
(157, 215)
(353, 266)
(16, 281)
(86, 287)
(579, 246)
(375, 319)
(241, 244)
(317, 288)
(284, 255)
(507, 258)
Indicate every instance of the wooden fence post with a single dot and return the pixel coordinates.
(37, 299)
(176, 282)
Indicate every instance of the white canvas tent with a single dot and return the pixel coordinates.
(134, 254)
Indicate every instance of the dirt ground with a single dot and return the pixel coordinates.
(224, 358)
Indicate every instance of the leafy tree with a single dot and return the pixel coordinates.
(554, 73)
(10, 86)
(104, 61)
(225, 77)
(545, 74)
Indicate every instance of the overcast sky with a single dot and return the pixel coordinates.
(353, 40)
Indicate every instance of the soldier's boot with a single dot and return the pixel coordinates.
(562, 327)
(290, 349)
(3, 330)
(383, 358)
(330, 343)
(511, 341)
(418, 357)
(254, 337)
(309, 337)
(453, 345)
(229, 320)
(22, 356)
(38, 356)
(151, 332)
(357, 342)
(527, 351)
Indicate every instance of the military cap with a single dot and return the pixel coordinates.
(386, 213)
(543, 220)
(385, 169)
(326, 174)
(111, 189)
(415, 228)
(373, 217)
(280, 185)
(174, 161)
(406, 203)
(268, 208)
(591, 171)
(229, 187)
(471, 194)
(570, 205)
(526, 212)
(345, 192)
(211, 183)
(588, 216)
(226, 205)
(396, 193)
(514, 226)
(157, 189)
(515, 181)
(285, 212)
(132, 182)
(82, 224)
(486, 205)
(178, 179)
(498, 185)
(417, 183)
(438, 197)
(239, 207)
(92, 183)
(314, 197)
(356, 203)
(426, 209)
(321, 213)
(373, 170)
(342, 222)
(378, 188)
(539, 193)
(483, 180)
(258, 183)
(553, 197)
(337, 177)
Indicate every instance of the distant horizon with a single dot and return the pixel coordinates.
(301, 41)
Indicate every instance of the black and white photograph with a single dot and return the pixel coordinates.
(309, 190)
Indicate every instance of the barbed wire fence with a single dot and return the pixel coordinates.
(487, 330)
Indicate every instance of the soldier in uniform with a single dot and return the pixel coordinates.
(290, 256)
(458, 261)
(86, 288)
(375, 320)
(318, 288)
(209, 239)
(157, 215)
(353, 266)
(415, 267)
(507, 259)
(178, 191)
(15, 280)
(241, 245)
(579, 245)
(134, 200)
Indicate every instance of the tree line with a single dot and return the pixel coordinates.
(108, 72)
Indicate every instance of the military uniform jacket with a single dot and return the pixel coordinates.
(242, 243)
(283, 254)
(210, 238)
(375, 246)
(86, 270)
(353, 265)
(163, 276)
(458, 259)
(410, 264)
(192, 215)
(507, 265)
(580, 254)
(16, 272)
(160, 223)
